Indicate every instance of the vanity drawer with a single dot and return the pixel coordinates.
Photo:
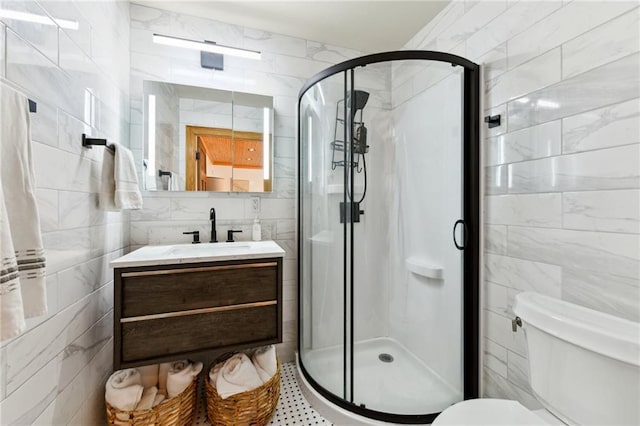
(181, 289)
(180, 334)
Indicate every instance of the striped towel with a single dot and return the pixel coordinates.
(22, 263)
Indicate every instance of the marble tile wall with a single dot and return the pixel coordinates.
(55, 372)
(286, 63)
(562, 173)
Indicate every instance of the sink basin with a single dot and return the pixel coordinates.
(193, 253)
(182, 250)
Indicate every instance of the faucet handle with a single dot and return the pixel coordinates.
(230, 233)
(196, 236)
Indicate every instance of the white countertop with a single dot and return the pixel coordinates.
(194, 253)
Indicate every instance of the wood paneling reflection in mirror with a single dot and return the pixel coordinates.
(219, 159)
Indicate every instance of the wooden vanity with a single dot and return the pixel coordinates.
(190, 301)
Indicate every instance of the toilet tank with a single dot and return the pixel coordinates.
(584, 364)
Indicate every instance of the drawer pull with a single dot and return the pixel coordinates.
(203, 269)
(199, 311)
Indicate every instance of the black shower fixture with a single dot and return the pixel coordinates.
(360, 131)
(359, 140)
(361, 98)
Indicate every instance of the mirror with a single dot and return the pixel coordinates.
(200, 139)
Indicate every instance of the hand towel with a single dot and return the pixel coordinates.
(119, 182)
(127, 190)
(148, 398)
(174, 182)
(237, 375)
(264, 359)
(149, 374)
(124, 389)
(106, 198)
(180, 376)
(22, 263)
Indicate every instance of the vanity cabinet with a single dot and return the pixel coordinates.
(174, 311)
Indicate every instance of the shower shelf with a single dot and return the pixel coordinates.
(424, 268)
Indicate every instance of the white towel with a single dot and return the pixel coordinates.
(106, 198)
(158, 399)
(237, 375)
(22, 264)
(148, 398)
(119, 186)
(149, 374)
(180, 376)
(264, 359)
(174, 182)
(124, 389)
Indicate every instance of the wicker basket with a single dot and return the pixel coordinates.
(254, 407)
(176, 411)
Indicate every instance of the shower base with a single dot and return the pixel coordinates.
(403, 386)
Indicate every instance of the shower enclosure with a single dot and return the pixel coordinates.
(388, 217)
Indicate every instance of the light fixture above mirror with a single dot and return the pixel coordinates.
(205, 46)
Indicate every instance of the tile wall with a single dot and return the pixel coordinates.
(562, 172)
(286, 63)
(54, 373)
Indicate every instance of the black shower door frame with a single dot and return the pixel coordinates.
(471, 218)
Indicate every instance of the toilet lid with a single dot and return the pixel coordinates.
(487, 411)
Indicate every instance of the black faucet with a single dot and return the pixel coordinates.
(212, 218)
(196, 236)
(230, 233)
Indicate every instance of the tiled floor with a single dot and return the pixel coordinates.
(292, 408)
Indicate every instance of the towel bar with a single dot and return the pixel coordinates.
(164, 173)
(90, 142)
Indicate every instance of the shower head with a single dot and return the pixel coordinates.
(361, 97)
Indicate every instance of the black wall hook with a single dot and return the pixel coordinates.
(493, 120)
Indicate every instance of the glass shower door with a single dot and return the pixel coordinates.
(407, 279)
(323, 247)
(388, 196)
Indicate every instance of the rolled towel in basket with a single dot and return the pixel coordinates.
(264, 359)
(163, 372)
(148, 397)
(124, 389)
(180, 376)
(237, 375)
(213, 373)
(149, 374)
(158, 399)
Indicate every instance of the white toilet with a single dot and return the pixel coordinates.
(584, 369)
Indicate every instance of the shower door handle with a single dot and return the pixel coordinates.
(465, 237)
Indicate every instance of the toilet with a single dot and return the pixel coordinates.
(584, 369)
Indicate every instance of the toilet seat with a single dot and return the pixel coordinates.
(488, 411)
